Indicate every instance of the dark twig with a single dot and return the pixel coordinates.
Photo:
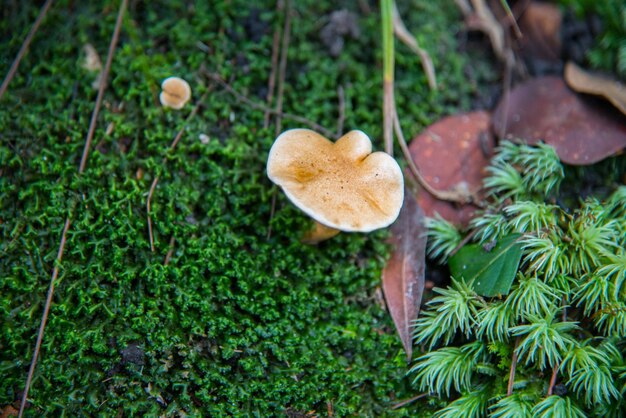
(282, 68)
(271, 84)
(177, 138)
(55, 270)
(168, 256)
(555, 369)
(264, 108)
(148, 207)
(44, 318)
(410, 400)
(102, 87)
(467, 238)
(555, 372)
(342, 110)
(24, 47)
(272, 211)
(509, 389)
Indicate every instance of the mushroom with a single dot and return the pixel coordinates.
(341, 185)
(175, 92)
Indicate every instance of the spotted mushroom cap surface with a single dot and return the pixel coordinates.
(343, 185)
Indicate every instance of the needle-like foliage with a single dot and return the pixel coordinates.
(443, 238)
(546, 253)
(532, 297)
(555, 341)
(529, 216)
(471, 405)
(544, 339)
(518, 405)
(557, 407)
(489, 226)
(442, 370)
(455, 310)
(495, 321)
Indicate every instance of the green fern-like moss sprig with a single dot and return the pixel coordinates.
(554, 345)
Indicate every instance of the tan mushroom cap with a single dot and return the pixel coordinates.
(342, 185)
(175, 92)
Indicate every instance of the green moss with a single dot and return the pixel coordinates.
(237, 323)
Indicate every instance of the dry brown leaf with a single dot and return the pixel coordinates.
(403, 276)
(581, 130)
(541, 25)
(451, 155)
(585, 82)
(9, 411)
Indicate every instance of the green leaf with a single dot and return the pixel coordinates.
(492, 272)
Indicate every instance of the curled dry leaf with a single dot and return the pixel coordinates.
(403, 276)
(585, 82)
(581, 130)
(452, 155)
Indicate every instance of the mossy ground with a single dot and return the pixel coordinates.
(237, 323)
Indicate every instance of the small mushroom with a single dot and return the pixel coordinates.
(342, 185)
(175, 92)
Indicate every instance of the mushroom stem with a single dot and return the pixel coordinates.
(319, 233)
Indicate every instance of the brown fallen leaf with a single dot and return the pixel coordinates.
(8, 411)
(452, 155)
(403, 276)
(541, 25)
(581, 130)
(585, 82)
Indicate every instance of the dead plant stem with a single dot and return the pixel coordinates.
(282, 67)
(20, 54)
(81, 169)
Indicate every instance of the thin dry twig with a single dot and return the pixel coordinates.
(342, 110)
(555, 369)
(555, 372)
(272, 211)
(259, 106)
(168, 256)
(148, 208)
(464, 241)
(512, 21)
(283, 66)
(177, 138)
(59, 258)
(459, 196)
(409, 40)
(509, 389)
(410, 400)
(44, 318)
(20, 54)
(102, 86)
(271, 84)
